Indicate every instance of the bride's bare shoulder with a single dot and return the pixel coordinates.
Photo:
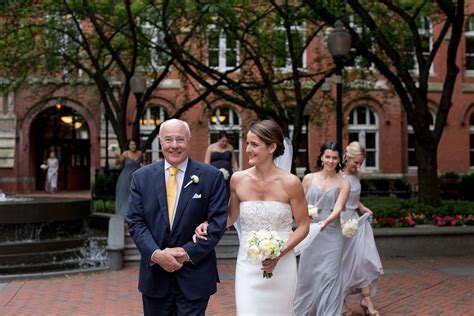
(290, 179)
(240, 175)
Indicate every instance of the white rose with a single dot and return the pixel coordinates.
(312, 211)
(349, 229)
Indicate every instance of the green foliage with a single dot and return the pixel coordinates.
(103, 192)
(393, 212)
(451, 175)
(104, 185)
(104, 206)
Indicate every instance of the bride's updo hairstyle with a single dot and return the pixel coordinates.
(270, 133)
(353, 150)
(331, 146)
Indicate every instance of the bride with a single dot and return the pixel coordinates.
(266, 197)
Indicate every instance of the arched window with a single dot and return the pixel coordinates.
(471, 141)
(363, 127)
(411, 143)
(153, 116)
(227, 119)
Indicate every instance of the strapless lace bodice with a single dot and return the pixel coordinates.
(256, 215)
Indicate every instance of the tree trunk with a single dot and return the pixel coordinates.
(428, 182)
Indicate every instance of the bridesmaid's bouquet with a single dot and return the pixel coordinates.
(114, 148)
(262, 245)
(312, 211)
(349, 229)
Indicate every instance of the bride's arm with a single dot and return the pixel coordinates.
(299, 207)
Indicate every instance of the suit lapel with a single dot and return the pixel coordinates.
(186, 193)
(160, 189)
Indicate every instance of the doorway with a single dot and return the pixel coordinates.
(62, 130)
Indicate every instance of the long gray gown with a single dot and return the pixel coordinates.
(319, 287)
(122, 189)
(361, 265)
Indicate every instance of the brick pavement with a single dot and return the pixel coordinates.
(410, 286)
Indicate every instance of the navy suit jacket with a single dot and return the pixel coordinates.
(148, 224)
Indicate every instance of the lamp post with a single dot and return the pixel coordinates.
(138, 86)
(339, 45)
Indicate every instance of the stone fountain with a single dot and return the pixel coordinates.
(48, 235)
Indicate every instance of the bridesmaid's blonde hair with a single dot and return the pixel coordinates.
(354, 149)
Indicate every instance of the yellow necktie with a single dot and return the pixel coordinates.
(171, 189)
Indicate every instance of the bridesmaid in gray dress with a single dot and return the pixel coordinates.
(361, 265)
(319, 288)
(130, 160)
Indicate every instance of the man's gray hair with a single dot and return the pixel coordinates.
(174, 122)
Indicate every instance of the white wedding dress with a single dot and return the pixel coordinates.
(255, 295)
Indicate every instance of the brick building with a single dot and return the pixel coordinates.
(71, 121)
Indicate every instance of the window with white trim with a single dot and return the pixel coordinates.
(469, 38)
(222, 48)
(157, 56)
(364, 128)
(63, 37)
(228, 120)
(366, 36)
(425, 31)
(471, 141)
(411, 143)
(153, 116)
(282, 53)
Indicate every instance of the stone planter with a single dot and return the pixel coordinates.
(425, 241)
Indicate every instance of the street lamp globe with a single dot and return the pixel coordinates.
(138, 82)
(339, 40)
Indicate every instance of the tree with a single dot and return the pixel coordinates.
(104, 40)
(395, 40)
(262, 64)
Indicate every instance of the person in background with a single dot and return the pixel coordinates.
(130, 160)
(361, 264)
(52, 165)
(221, 155)
(319, 287)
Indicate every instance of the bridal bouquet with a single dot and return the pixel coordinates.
(262, 245)
(312, 211)
(349, 229)
(225, 173)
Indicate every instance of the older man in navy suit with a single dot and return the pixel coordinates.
(168, 200)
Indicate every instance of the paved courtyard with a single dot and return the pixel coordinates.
(410, 286)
